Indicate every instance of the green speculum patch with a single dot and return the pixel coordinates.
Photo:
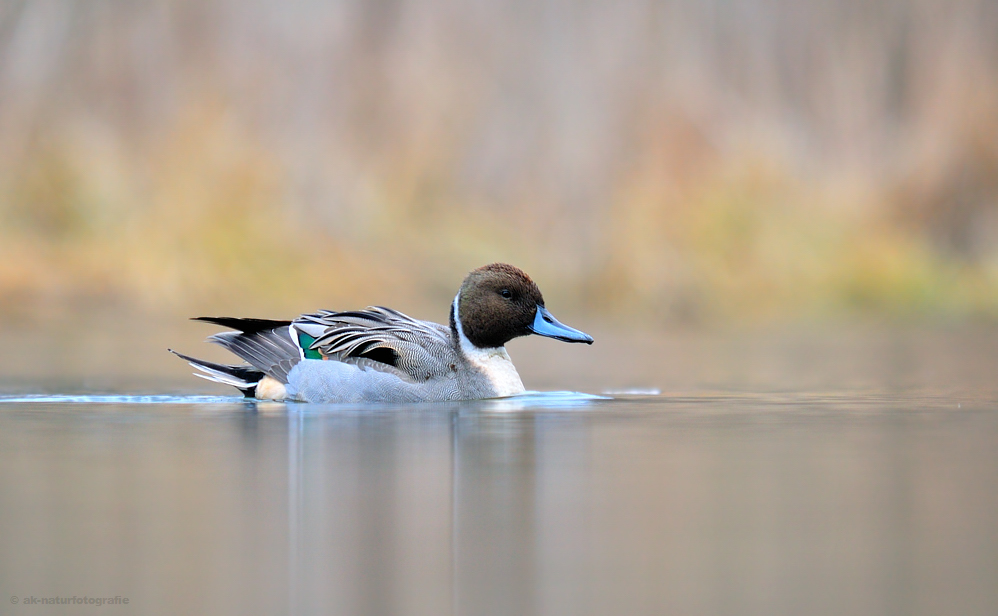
(305, 342)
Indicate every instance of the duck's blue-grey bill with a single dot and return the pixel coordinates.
(546, 325)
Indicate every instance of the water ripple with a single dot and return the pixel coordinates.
(117, 399)
(527, 400)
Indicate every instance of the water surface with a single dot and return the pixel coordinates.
(705, 500)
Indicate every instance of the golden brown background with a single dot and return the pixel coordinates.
(677, 163)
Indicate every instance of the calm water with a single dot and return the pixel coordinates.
(802, 501)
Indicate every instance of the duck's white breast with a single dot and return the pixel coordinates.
(496, 365)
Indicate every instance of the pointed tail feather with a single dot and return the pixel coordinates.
(244, 325)
(243, 378)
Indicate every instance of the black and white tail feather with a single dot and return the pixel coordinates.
(243, 378)
(266, 345)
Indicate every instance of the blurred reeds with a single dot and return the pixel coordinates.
(675, 162)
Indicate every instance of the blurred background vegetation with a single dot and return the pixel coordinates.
(668, 163)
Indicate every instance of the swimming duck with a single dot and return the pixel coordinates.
(381, 355)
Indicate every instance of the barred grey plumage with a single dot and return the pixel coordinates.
(420, 349)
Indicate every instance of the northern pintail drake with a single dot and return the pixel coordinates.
(381, 355)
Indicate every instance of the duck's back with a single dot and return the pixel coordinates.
(419, 350)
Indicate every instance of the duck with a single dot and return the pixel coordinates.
(382, 355)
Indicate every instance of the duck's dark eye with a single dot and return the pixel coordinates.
(506, 293)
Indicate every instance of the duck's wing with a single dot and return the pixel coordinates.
(420, 350)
